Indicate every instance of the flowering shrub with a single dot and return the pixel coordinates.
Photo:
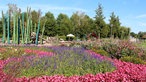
(118, 49)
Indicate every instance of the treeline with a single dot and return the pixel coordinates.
(139, 35)
(79, 24)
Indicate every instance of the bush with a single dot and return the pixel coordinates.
(62, 37)
(101, 52)
(122, 49)
(133, 60)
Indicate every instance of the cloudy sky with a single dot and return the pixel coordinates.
(132, 13)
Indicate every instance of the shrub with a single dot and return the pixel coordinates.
(62, 37)
(122, 49)
(133, 60)
(101, 52)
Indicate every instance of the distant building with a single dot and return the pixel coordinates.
(143, 37)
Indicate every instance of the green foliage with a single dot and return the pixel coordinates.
(114, 25)
(141, 34)
(133, 35)
(101, 28)
(102, 52)
(79, 24)
(82, 24)
(63, 24)
(50, 26)
(124, 32)
(62, 37)
(133, 60)
(35, 16)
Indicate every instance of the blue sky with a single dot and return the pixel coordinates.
(132, 13)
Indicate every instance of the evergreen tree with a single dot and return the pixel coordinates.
(101, 27)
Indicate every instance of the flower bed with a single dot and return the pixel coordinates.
(125, 72)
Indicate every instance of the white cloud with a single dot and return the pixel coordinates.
(58, 8)
(45, 8)
(141, 16)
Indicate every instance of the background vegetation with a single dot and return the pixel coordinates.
(79, 24)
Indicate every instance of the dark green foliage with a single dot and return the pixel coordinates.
(50, 25)
(63, 24)
(101, 28)
(133, 35)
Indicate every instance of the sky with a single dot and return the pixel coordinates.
(132, 13)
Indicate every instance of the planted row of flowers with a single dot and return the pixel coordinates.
(125, 72)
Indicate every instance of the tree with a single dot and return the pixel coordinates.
(124, 32)
(34, 16)
(82, 24)
(101, 27)
(87, 26)
(133, 34)
(50, 26)
(75, 21)
(114, 25)
(141, 34)
(63, 24)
